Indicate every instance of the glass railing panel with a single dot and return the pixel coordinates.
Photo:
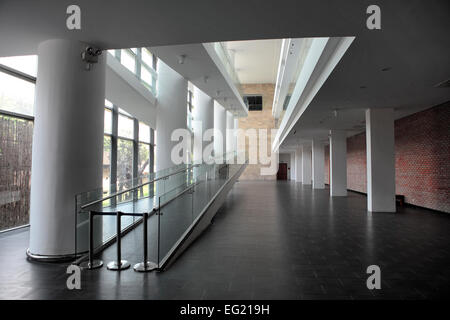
(174, 218)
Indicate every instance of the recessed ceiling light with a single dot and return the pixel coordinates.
(386, 69)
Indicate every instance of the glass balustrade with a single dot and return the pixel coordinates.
(174, 198)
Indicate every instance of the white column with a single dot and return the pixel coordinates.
(338, 163)
(220, 125)
(229, 132)
(236, 127)
(292, 155)
(172, 112)
(306, 165)
(298, 165)
(318, 164)
(203, 120)
(380, 160)
(67, 144)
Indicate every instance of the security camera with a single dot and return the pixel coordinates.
(90, 55)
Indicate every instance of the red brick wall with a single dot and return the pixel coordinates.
(422, 159)
(356, 163)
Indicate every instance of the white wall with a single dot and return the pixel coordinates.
(306, 165)
(298, 165)
(171, 113)
(318, 164)
(292, 155)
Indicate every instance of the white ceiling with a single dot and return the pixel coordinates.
(256, 61)
(197, 65)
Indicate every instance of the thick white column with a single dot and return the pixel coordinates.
(67, 144)
(229, 132)
(292, 155)
(298, 165)
(220, 125)
(338, 163)
(306, 165)
(318, 164)
(380, 160)
(171, 114)
(203, 120)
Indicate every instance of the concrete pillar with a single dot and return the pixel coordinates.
(318, 164)
(338, 163)
(292, 165)
(203, 120)
(67, 145)
(220, 125)
(229, 133)
(172, 113)
(306, 165)
(380, 160)
(235, 141)
(298, 165)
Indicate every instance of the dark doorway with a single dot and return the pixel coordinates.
(282, 171)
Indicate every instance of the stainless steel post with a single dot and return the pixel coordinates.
(145, 265)
(119, 264)
(91, 263)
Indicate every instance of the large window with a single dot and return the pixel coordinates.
(15, 171)
(141, 62)
(16, 94)
(106, 164)
(144, 157)
(124, 164)
(127, 154)
(17, 85)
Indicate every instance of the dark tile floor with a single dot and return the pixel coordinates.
(270, 240)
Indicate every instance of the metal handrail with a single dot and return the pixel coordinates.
(136, 187)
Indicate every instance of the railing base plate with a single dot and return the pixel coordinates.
(124, 264)
(141, 267)
(95, 264)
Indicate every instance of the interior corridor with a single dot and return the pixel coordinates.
(270, 240)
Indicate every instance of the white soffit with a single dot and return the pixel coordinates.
(198, 64)
(123, 89)
(322, 58)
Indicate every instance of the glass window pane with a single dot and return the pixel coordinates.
(124, 164)
(146, 76)
(128, 60)
(16, 95)
(106, 164)
(15, 171)
(144, 132)
(25, 64)
(144, 168)
(126, 127)
(108, 121)
(147, 57)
